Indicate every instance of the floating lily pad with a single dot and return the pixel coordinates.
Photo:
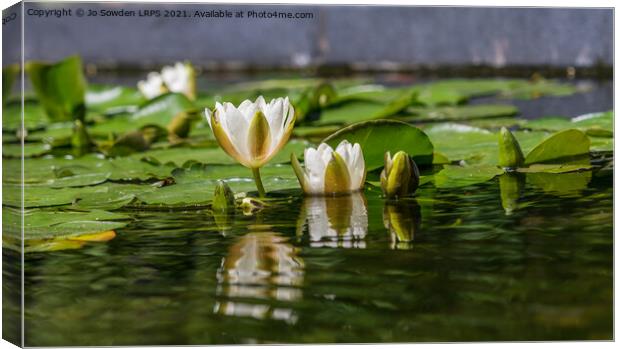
(462, 176)
(379, 136)
(474, 145)
(113, 99)
(594, 124)
(215, 155)
(34, 116)
(29, 150)
(562, 146)
(453, 113)
(350, 112)
(45, 224)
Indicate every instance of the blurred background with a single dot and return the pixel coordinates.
(339, 37)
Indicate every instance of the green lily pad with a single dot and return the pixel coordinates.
(34, 116)
(379, 136)
(594, 124)
(463, 176)
(45, 224)
(474, 145)
(41, 196)
(30, 149)
(158, 111)
(350, 112)
(215, 155)
(111, 196)
(195, 186)
(113, 99)
(562, 146)
(554, 168)
(466, 112)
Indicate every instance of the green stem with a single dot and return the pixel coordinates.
(259, 182)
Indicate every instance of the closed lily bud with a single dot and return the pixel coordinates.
(254, 132)
(80, 140)
(153, 86)
(510, 154)
(329, 172)
(180, 78)
(400, 176)
(223, 198)
(180, 125)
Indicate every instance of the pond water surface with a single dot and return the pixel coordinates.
(472, 272)
(333, 270)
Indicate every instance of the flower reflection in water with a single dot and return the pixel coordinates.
(339, 221)
(402, 219)
(264, 267)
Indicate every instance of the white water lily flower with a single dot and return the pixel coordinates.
(180, 78)
(153, 86)
(254, 132)
(329, 172)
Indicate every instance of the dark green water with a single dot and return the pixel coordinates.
(330, 271)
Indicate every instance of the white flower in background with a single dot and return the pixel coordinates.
(153, 86)
(180, 78)
(254, 132)
(328, 172)
(339, 221)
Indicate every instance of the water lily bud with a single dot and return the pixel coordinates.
(400, 176)
(80, 140)
(329, 172)
(180, 125)
(223, 198)
(510, 154)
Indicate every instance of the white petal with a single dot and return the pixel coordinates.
(248, 108)
(315, 170)
(357, 167)
(177, 77)
(344, 149)
(325, 153)
(208, 114)
(236, 127)
(274, 113)
(152, 86)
